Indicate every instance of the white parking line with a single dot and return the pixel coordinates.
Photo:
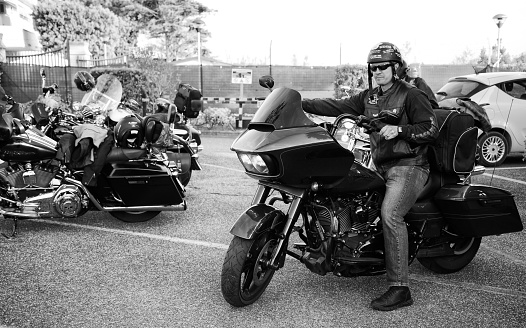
(472, 286)
(222, 167)
(137, 234)
(504, 178)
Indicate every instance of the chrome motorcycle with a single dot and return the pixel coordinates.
(312, 187)
(39, 179)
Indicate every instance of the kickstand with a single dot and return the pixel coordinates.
(14, 230)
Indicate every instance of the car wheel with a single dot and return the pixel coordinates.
(493, 149)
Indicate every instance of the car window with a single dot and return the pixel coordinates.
(455, 89)
(516, 89)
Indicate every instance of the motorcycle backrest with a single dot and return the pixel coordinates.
(194, 104)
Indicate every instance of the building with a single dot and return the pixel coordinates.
(16, 26)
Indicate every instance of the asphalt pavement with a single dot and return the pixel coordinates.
(95, 271)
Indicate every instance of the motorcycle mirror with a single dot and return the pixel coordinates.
(266, 81)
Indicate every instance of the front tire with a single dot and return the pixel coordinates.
(245, 274)
(465, 250)
(133, 217)
(494, 149)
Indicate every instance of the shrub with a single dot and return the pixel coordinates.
(211, 117)
(354, 76)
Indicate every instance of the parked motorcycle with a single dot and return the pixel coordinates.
(130, 175)
(312, 187)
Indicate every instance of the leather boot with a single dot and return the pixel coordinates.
(394, 298)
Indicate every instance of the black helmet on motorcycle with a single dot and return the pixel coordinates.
(153, 127)
(163, 105)
(129, 133)
(84, 81)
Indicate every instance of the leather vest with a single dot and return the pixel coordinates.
(395, 149)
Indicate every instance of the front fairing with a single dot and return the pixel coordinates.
(299, 151)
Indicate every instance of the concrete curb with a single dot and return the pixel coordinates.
(221, 133)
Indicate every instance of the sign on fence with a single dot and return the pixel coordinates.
(241, 75)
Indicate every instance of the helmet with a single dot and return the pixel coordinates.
(84, 81)
(384, 52)
(153, 127)
(402, 70)
(162, 105)
(128, 132)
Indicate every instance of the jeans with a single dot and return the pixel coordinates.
(403, 185)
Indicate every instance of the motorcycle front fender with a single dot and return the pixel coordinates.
(255, 219)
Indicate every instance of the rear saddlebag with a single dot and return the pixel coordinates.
(477, 210)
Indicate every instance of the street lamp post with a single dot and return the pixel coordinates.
(198, 24)
(499, 20)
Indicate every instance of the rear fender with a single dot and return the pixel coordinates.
(255, 219)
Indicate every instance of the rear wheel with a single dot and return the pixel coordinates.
(135, 216)
(185, 177)
(246, 273)
(493, 149)
(464, 249)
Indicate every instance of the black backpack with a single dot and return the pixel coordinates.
(455, 147)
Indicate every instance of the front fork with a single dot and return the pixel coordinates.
(261, 196)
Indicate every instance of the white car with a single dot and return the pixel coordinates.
(503, 96)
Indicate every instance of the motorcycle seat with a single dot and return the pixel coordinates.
(435, 181)
(119, 154)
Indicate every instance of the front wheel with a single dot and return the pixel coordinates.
(246, 273)
(135, 216)
(493, 149)
(464, 249)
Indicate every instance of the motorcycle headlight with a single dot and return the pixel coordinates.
(255, 163)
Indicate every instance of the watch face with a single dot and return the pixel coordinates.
(399, 129)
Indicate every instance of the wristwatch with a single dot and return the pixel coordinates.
(399, 129)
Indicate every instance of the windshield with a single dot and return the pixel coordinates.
(106, 95)
(282, 110)
(459, 89)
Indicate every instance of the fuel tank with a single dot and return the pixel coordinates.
(32, 145)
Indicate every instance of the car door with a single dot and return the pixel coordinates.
(512, 104)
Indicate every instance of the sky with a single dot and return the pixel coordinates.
(333, 32)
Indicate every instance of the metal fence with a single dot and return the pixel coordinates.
(21, 77)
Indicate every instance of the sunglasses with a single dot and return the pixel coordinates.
(381, 67)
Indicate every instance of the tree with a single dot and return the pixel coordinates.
(465, 58)
(59, 21)
(177, 23)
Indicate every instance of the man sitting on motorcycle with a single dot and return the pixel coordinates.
(399, 151)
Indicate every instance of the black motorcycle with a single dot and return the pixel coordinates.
(134, 174)
(332, 204)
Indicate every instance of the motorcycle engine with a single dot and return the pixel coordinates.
(28, 175)
(354, 214)
(65, 202)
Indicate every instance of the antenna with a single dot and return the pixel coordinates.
(505, 127)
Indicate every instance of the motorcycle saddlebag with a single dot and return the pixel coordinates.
(137, 184)
(478, 210)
